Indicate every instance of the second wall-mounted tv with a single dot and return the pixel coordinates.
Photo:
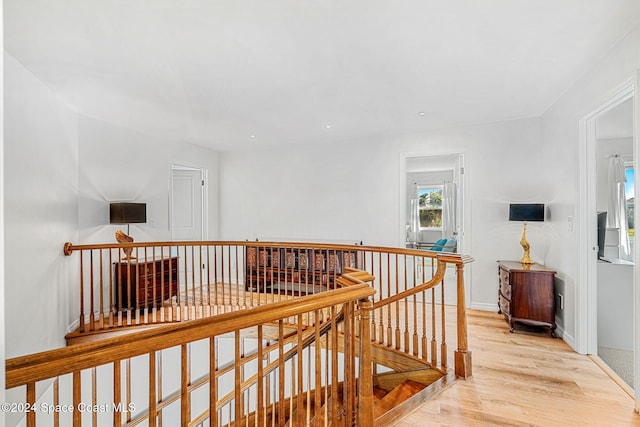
(602, 230)
(526, 212)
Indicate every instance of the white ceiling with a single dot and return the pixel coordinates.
(232, 74)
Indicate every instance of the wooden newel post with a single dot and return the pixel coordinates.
(365, 389)
(462, 357)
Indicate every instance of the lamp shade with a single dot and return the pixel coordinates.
(526, 212)
(127, 213)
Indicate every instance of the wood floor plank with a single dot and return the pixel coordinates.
(525, 379)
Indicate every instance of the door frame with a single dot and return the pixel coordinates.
(586, 290)
(464, 237)
(204, 176)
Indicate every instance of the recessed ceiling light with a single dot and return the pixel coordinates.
(253, 136)
(422, 114)
(327, 126)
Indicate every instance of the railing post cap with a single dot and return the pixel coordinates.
(67, 248)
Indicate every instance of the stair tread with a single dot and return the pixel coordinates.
(389, 380)
(378, 393)
(398, 395)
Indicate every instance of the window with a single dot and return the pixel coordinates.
(629, 192)
(430, 207)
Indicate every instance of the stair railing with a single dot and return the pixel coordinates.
(175, 281)
(169, 282)
(413, 297)
(220, 379)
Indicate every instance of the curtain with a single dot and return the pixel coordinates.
(449, 210)
(414, 215)
(617, 211)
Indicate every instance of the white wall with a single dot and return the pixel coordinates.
(117, 164)
(2, 240)
(351, 192)
(62, 170)
(41, 211)
(560, 145)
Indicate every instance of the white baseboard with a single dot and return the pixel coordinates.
(569, 339)
(73, 326)
(483, 306)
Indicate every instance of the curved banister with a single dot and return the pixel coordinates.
(435, 280)
(44, 365)
(352, 276)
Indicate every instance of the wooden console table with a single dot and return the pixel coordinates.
(145, 283)
(526, 294)
(296, 270)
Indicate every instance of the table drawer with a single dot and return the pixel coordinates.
(505, 305)
(505, 287)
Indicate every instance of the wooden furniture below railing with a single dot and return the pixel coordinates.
(298, 270)
(145, 283)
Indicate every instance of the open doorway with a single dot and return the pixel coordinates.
(615, 201)
(608, 306)
(433, 201)
(432, 196)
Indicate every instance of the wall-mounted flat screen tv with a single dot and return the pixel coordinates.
(526, 212)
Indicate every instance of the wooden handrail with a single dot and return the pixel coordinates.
(435, 280)
(351, 276)
(458, 260)
(40, 366)
(452, 258)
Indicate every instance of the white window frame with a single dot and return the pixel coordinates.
(429, 187)
(630, 165)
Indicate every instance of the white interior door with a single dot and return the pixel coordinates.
(187, 203)
(188, 215)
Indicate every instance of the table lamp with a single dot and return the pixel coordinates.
(127, 213)
(526, 212)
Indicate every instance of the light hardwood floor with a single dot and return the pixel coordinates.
(526, 379)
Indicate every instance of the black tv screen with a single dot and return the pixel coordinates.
(526, 212)
(602, 229)
(127, 213)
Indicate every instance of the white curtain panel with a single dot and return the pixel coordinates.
(617, 210)
(414, 215)
(449, 195)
